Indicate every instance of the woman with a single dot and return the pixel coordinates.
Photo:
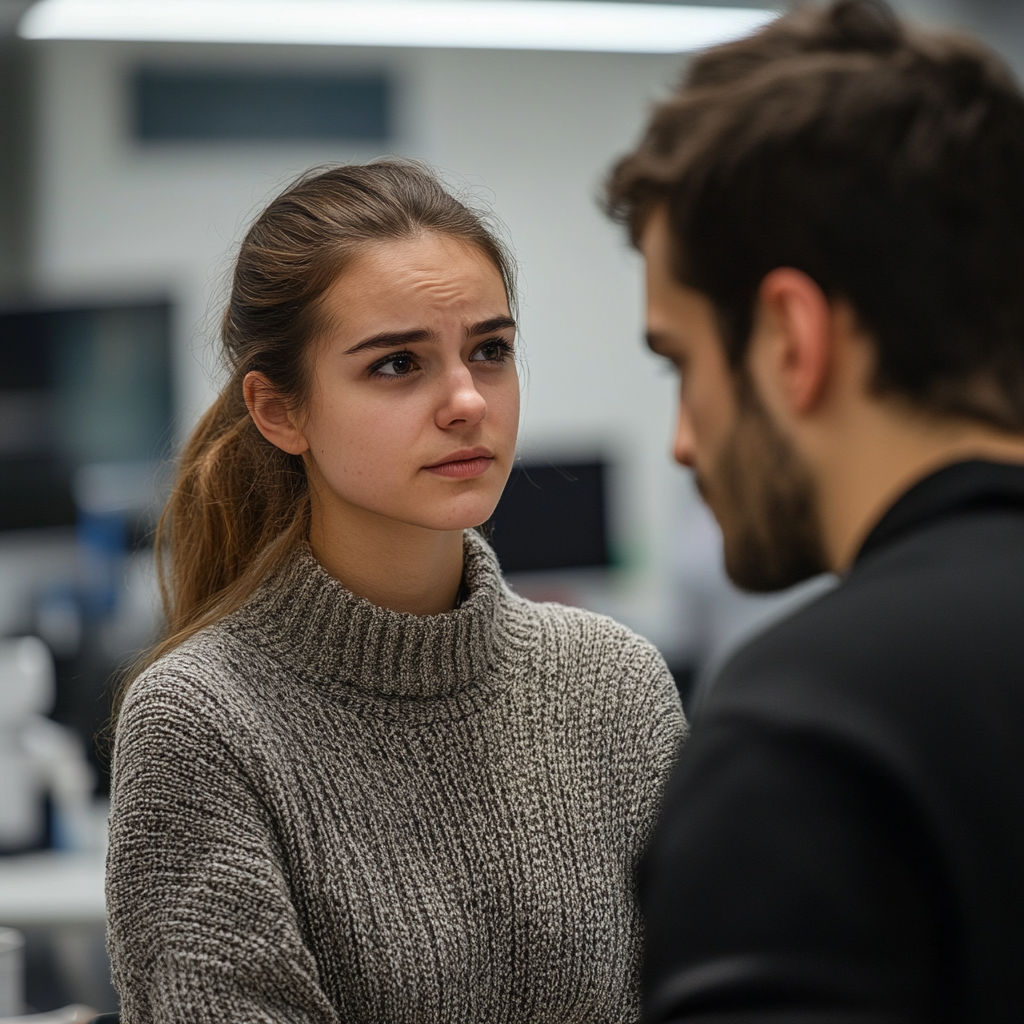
(362, 780)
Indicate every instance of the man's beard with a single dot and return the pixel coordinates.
(765, 501)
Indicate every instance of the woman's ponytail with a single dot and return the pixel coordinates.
(235, 494)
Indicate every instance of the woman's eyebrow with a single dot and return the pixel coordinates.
(391, 339)
(496, 323)
(394, 339)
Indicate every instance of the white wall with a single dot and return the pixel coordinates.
(531, 133)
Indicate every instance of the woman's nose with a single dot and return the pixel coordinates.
(462, 402)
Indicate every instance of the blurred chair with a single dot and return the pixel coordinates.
(39, 759)
(12, 991)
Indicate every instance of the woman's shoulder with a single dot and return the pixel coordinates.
(568, 624)
(193, 685)
(596, 644)
(601, 672)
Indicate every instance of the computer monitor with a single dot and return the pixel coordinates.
(553, 516)
(79, 387)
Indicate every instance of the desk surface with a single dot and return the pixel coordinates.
(51, 886)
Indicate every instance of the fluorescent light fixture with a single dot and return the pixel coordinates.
(479, 24)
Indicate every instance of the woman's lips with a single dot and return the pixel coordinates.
(462, 468)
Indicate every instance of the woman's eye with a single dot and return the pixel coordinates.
(395, 366)
(496, 351)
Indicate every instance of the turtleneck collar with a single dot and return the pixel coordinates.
(309, 622)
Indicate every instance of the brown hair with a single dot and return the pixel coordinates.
(883, 161)
(239, 504)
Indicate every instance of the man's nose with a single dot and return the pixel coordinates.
(684, 443)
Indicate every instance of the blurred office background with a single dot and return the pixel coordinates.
(128, 171)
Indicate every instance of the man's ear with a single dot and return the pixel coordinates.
(271, 414)
(792, 345)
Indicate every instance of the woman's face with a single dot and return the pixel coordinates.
(414, 408)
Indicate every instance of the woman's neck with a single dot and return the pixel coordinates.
(393, 565)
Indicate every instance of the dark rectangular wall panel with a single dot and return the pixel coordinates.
(195, 106)
(78, 386)
(552, 517)
(17, 134)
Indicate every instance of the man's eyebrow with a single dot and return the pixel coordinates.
(392, 339)
(496, 323)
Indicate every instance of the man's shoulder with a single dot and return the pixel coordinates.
(920, 616)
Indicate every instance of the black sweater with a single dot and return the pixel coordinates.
(843, 838)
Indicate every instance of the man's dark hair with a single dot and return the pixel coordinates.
(885, 162)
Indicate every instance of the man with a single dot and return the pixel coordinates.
(832, 218)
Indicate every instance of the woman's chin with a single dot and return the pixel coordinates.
(463, 516)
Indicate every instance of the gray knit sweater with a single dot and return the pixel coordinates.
(325, 811)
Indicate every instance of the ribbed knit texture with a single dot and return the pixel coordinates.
(326, 811)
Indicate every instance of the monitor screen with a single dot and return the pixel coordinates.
(78, 388)
(552, 516)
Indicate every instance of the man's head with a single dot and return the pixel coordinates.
(831, 213)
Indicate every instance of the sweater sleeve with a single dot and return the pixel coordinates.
(656, 731)
(788, 881)
(201, 924)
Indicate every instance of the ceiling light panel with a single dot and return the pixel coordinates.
(479, 24)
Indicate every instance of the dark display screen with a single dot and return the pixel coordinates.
(78, 387)
(552, 517)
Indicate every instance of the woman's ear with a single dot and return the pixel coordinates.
(271, 414)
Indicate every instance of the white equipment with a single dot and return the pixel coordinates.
(38, 757)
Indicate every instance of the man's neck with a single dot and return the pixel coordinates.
(889, 452)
